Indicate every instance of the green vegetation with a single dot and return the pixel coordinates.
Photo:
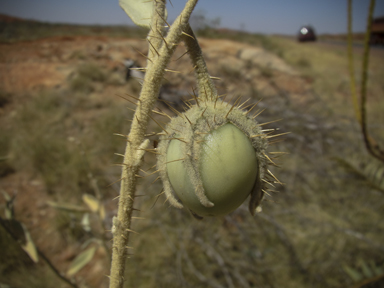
(86, 75)
(41, 144)
(32, 30)
(255, 39)
(52, 143)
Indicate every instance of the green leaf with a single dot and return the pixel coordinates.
(8, 213)
(6, 196)
(377, 270)
(80, 261)
(29, 247)
(366, 270)
(140, 11)
(355, 275)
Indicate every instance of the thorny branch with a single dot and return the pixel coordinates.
(136, 142)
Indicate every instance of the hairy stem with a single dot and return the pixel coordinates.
(155, 35)
(135, 140)
(206, 88)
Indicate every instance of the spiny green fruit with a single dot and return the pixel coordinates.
(228, 171)
(212, 157)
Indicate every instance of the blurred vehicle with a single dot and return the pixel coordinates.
(377, 31)
(306, 33)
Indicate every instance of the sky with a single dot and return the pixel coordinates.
(257, 16)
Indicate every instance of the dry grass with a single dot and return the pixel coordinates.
(321, 221)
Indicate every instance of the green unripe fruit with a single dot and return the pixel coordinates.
(228, 168)
(211, 158)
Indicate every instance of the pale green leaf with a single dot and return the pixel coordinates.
(8, 212)
(91, 202)
(365, 269)
(6, 196)
(80, 261)
(377, 270)
(29, 247)
(140, 11)
(89, 242)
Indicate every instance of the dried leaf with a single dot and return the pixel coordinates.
(68, 207)
(102, 212)
(29, 247)
(80, 261)
(94, 205)
(91, 202)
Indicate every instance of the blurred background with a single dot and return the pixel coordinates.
(66, 98)
(271, 17)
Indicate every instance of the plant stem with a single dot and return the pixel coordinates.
(351, 64)
(372, 147)
(136, 142)
(156, 32)
(53, 268)
(206, 88)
